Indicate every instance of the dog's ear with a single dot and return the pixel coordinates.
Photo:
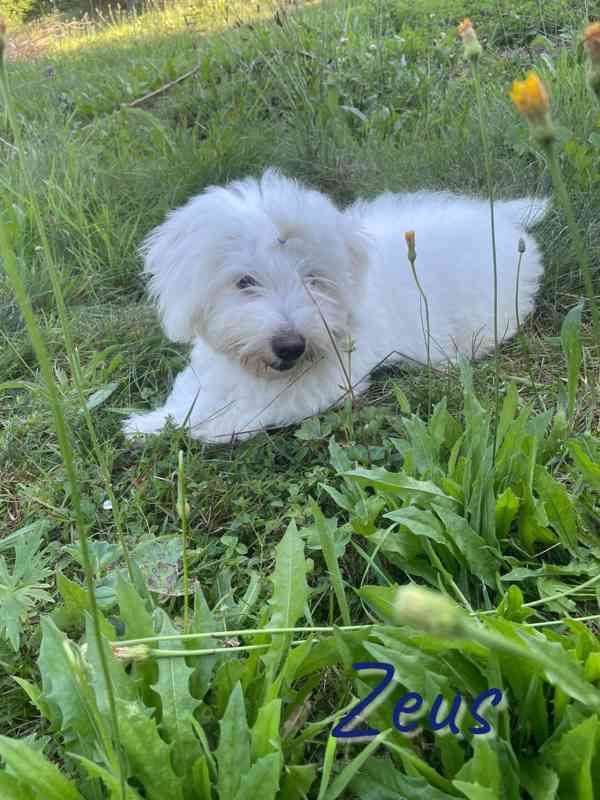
(172, 284)
(183, 256)
(357, 243)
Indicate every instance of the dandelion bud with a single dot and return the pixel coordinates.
(591, 44)
(138, 652)
(521, 245)
(532, 100)
(473, 48)
(410, 241)
(183, 509)
(348, 345)
(431, 611)
(560, 426)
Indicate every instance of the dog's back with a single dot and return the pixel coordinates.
(454, 267)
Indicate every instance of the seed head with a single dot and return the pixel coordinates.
(138, 652)
(533, 102)
(473, 48)
(428, 610)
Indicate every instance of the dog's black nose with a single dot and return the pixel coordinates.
(289, 346)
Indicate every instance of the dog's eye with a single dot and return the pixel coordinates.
(246, 282)
(312, 278)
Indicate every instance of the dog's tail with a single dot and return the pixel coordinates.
(527, 211)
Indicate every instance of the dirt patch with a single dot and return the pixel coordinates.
(30, 42)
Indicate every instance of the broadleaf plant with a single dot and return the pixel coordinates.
(23, 587)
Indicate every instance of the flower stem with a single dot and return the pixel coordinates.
(427, 331)
(210, 651)
(552, 597)
(566, 593)
(491, 194)
(576, 238)
(522, 336)
(336, 349)
(562, 621)
(248, 632)
(183, 516)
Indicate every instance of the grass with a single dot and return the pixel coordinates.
(354, 98)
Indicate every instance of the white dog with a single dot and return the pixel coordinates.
(288, 301)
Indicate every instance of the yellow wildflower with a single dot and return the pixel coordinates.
(471, 43)
(532, 100)
(591, 44)
(530, 96)
(464, 26)
(591, 41)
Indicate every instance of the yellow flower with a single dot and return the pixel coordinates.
(470, 41)
(530, 96)
(532, 100)
(591, 44)
(464, 26)
(591, 41)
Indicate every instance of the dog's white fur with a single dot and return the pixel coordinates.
(322, 273)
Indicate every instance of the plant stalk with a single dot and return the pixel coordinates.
(491, 194)
(576, 237)
(182, 510)
(412, 259)
(242, 632)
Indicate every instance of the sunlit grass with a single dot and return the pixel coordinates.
(115, 26)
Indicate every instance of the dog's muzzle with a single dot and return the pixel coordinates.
(288, 348)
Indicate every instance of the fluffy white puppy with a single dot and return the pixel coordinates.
(264, 276)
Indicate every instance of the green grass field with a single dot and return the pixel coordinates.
(490, 497)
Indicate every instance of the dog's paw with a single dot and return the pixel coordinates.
(220, 430)
(144, 424)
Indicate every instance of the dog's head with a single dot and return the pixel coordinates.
(265, 271)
